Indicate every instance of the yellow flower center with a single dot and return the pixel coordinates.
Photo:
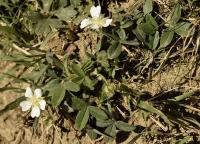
(98, 21)
(35, 100)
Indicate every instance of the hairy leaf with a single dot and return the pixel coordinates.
(92, 134)
(102, 58)
(82, 119)
(65, 14)
(111, 131)
(148, 107)
(45, 26)
(185, 140)
(78, 103)
(147, 28)
(121, 33)
(176, 15)
(77, 70)
(71, 86)
(156, 40)
(166, 38)
(97, 113)
(58, 94)
(46, 5)
(182, 97)
(148, 7)
(124, 126)
(182, 29)
(114, 50)
(126, 24)
(151, 20)
(104, 123)
(89, 83)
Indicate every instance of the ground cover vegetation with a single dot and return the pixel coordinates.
(105, 67)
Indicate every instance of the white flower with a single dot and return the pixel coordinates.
(34, 101)
(97, 21)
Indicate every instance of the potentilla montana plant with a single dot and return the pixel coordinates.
(34, 101)
(97, 20)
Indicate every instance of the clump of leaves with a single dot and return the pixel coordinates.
(95, 90)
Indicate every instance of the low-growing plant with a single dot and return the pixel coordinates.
(92, 83)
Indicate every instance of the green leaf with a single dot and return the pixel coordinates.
(51, 84)
(46, 5)
(104, 123)
(10, 32)
(99, 133)
(77, 70)
(140, 34)
(87, 65)
(34, 16)
(146, 106)
(45, 26)
(102, 58)
(111, 131)
(75, 3)
(51, 73)
(35, 75)
(49, 57)
(112, 36)
(166, 38)
(148, 7)
(176, 15)
(150, 20)
(89, 83)
(98, 113)
(124, 126)
(147, 28)
(17, 58)
(156, 40)
(114, 50)
(184, 140)
(130, 42)
(92, 134)
(82, 119)
(65, 14)
(12, 105)
(126, 24)
(63, 3)
(71, 86)
(121, 33)
(78, 79)
(182, 97)
(58, 94)
(78, 103)
(108, 90)
(182, 29)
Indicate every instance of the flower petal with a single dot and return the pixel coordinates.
(95, 11)
(25, 105)
(28, 92)
(38, 92)
(42, 104)
(35, 112)
(107, 23)
(85, 23)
